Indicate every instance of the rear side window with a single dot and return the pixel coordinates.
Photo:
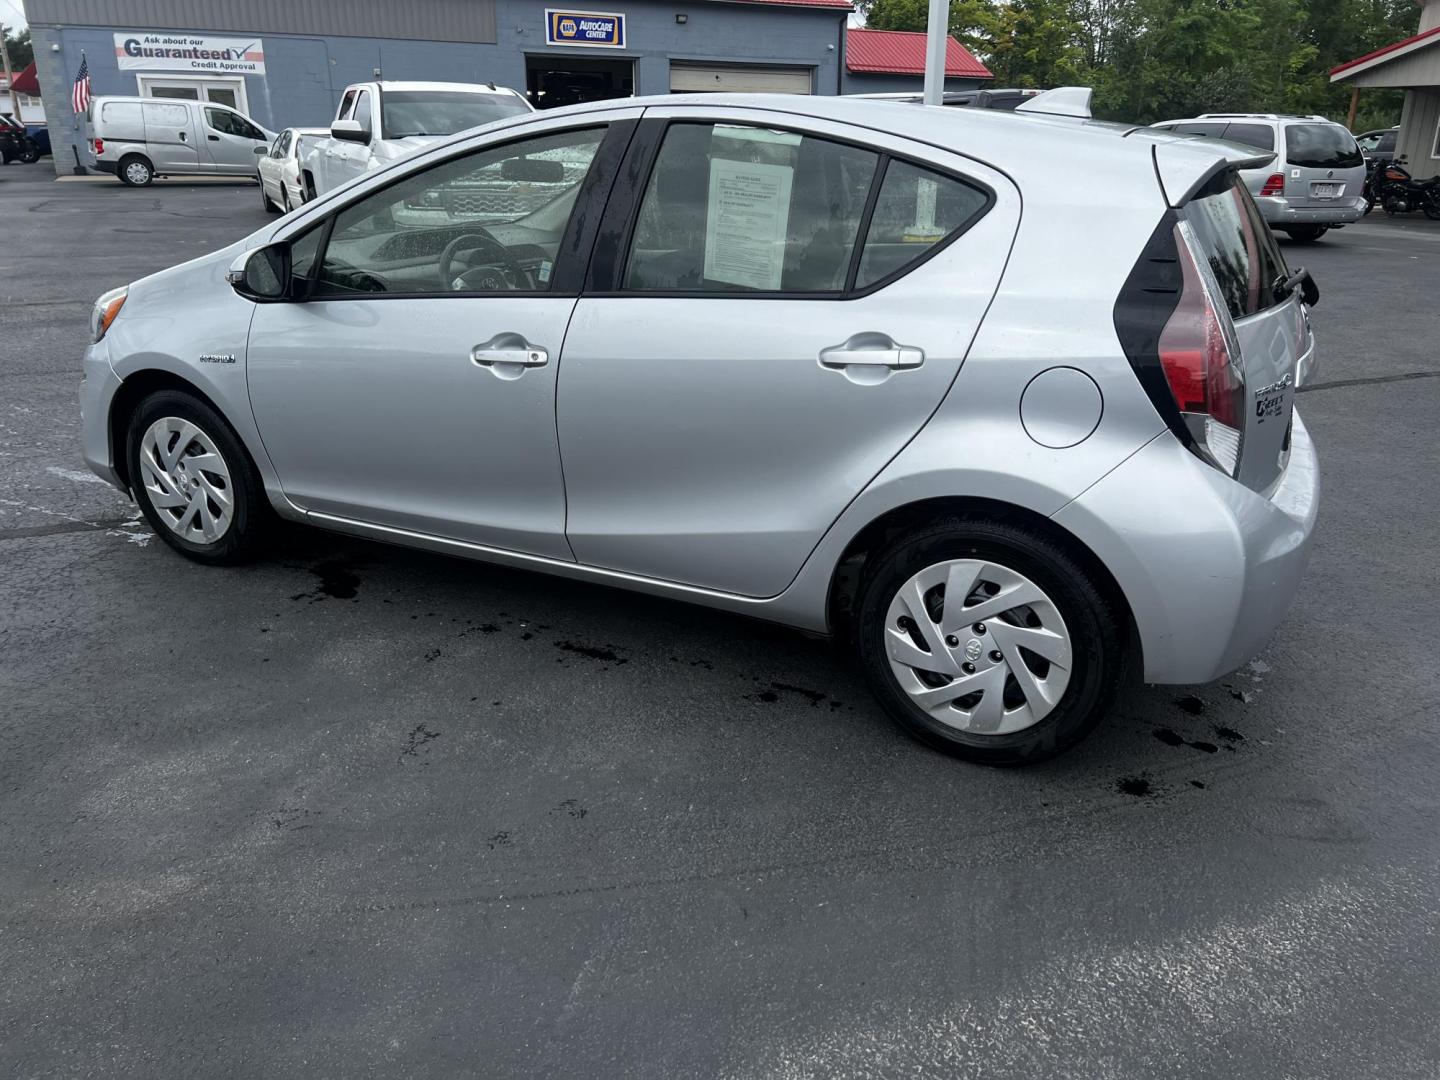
(1386, 145)
(122, 120)
(741, 209)
(1237, 244)
(1252, 135)
(1206, 128)
(916, 210)
(1321, 146)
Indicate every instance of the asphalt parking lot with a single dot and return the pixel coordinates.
(355, 810)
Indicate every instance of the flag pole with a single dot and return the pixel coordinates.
(936, 39)
(9, 76)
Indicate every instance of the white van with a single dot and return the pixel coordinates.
(139, 138)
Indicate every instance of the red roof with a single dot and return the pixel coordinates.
(1385, 51)
(902, 52)
(838, 5)
(26, 83)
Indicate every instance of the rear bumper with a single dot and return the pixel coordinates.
(1280, 212)
(1209, 567)
(111, 167)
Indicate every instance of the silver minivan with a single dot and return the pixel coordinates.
(1316, 182)
(796, 357)
(139, 138)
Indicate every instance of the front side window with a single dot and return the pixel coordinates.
(362, 110)
(730, 208)
(229, 123)
(346, 104)
(444, 112)
(1321, 146)
(490, 221)
(916, 210)
(1238, 245)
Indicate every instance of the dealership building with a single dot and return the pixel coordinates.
(286, 64)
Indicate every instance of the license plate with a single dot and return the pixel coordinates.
(1324, 191)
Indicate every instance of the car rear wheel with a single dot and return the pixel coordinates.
(29, 155)
(194, 481)
(1307, 234)
(988, 641)
(135, 171)
(265, 200)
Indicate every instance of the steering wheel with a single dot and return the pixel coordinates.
(493, 254)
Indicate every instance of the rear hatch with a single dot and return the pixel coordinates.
(1213, 337)
(1322, 164)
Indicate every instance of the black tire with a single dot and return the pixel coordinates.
(135, 170)
(1095, 627)
(1307, 234)
(286, 206)
(1432, 210)
(309, 186)
(265, 200)
(251, 516)
(29, 155)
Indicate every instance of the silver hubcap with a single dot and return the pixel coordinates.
(977, 646)
(186, 480)
(137, 173)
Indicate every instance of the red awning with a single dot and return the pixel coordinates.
(902, 52)
(26, 83)
(1410, 44)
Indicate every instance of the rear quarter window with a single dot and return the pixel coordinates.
(1252, 135)
(1321, 146)
(1237, 244)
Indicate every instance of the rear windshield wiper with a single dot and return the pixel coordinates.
(1309, 291)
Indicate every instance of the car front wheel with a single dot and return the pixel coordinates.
(194, 481)
(989, 641)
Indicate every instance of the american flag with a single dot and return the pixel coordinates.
(80, 94)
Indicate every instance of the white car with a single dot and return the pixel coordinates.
(380, 122)
(281, 189)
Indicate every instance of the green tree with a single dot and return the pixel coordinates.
(21, 51)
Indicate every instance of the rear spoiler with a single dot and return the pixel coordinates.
(1062, 101)
(1185, 165)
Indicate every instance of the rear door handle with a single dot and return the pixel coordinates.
(871, 350)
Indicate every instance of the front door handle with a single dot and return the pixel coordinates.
(213, 138)
(182, 136)
(871, 350)
(508, 353)
(527, 357)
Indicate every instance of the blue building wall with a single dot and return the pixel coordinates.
(867, 83)
(305, 75)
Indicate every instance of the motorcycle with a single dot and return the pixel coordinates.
(1395, 191)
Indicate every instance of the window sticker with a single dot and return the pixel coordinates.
(746, 223)
(543, 273)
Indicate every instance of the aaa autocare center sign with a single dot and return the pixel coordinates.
(198, 53)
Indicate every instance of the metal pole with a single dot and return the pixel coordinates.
(937, 37)
(9, 77)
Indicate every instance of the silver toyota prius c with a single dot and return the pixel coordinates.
(1004, 399)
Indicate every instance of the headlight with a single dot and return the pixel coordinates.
(105, 310)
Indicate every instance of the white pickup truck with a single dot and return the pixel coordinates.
(379, 122)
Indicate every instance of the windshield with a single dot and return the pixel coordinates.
(444, 112)
(1321, 146)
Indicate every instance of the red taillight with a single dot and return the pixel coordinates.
(99, 146)
(1274, 185)
(1195, 355)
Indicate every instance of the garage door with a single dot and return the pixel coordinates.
(717, 78)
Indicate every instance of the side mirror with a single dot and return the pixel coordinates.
(262, 275)
(350, 131)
